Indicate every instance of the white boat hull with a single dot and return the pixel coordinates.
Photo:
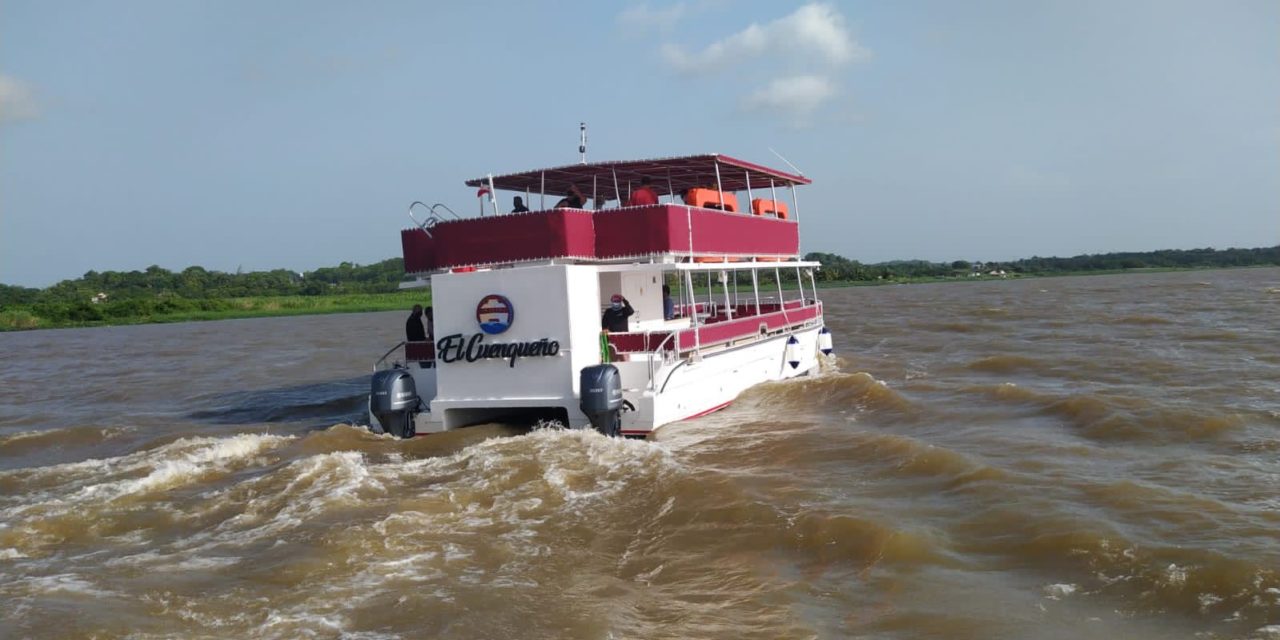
(695, 387)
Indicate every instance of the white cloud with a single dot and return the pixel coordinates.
(814, 30)
(640, 17)
(795, 96)
(16, 101)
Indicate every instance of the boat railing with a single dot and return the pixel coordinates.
(377, 365)
(661, 354)
(790, 315)
(423, 351)
(433, 216)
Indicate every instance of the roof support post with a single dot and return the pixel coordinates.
(748, 175)
(542, 191)
(671, 190)
(795, 204)
(711, 293)
(782, 304)
(719, 189)
(728, 307)
(755, 287)
(616, 194)
(693, 311)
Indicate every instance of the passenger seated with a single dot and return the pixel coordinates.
(519, 206)
(574, 199)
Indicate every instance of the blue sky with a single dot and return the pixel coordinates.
(260, 135)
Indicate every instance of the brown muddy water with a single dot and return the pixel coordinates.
(1092, 457)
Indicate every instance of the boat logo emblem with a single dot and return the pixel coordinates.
(495, 313)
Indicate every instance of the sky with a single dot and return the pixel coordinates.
(247, 135)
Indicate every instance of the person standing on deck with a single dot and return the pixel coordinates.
(413, 330)
(615, 317)
(668, 305)
(644, 195)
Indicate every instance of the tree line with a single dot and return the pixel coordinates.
(98, 296)
(103, 295)
(836, 268)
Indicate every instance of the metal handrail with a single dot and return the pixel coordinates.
(384, 356)
(446, 208)
(657, 352)
(433, 218)
(426, 224)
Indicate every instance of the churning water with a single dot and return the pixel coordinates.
(1093, 457)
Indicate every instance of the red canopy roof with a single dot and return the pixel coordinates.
(669, 175)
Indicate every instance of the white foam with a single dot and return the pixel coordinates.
(1059, 591)
(1207, 600)
(319, 484)
(11, 554)
(1269, 632)
(68, 583)
(1175, 575)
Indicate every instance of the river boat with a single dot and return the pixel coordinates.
(518, 298)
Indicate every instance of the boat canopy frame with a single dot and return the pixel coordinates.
(668, 176)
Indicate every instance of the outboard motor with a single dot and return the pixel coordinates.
(394, 400)
(601, 389)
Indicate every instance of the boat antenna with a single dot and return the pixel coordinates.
(582, 145)
(793, 167)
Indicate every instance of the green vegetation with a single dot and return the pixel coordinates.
(159, 295)
(840, 269)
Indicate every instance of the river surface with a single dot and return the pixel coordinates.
(1084, 457)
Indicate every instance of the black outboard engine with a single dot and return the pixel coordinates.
(394, 400)
(601, 389)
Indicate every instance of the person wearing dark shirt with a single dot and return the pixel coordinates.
(668, 305)
(574, 200)
(615, 317)
(413, 330)
(644, 195)
(429, 319)
(519, 206)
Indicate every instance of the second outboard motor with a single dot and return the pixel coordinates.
(601, 389)
(394, 400)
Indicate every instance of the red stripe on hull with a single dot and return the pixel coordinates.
(627, 432)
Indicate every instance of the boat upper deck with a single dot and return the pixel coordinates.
(701, 218)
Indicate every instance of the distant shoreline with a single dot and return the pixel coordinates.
(23, 319)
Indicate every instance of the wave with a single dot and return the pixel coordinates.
(1008, 364)
(1100, 562)
(1143, 320)
(827, 391)
(81, 501)
(68, 437)
(1110, 417)
(321, 403)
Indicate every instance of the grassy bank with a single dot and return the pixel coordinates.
(172, 309)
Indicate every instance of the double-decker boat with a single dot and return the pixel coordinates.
(707, 261)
